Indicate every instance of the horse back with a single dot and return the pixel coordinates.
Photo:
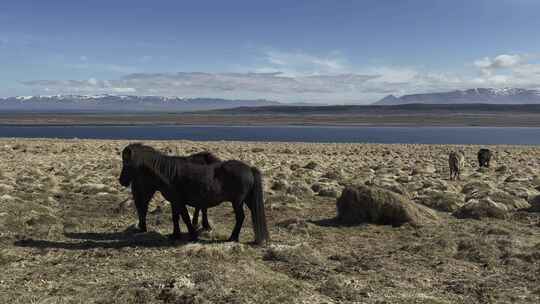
(203, 158)
(236, 176)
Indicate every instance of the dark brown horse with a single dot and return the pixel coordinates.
(199, 185)
(203, 158)
(145, 192)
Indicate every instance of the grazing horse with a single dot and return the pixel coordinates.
(199, 185)
(143, 192)
(201, 158)
(484, 156)
(456, 161)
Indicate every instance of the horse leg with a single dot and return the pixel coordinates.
(205, 223)
(142, 200)
(185, 217)
(195, 220)
(176, 221)
(239, 214)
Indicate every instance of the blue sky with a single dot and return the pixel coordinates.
(292, 51)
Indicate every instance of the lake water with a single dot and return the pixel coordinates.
(423, 135)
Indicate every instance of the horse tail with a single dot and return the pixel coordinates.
(255, 203)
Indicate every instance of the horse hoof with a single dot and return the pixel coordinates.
(140, 229)
(134, 230)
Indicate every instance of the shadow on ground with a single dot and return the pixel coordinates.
(108, 240)
(331, 222)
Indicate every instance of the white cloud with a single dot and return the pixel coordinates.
(228, 85)
(300, 63)
(499, 62)
(124, 90)
(297, 76)
(517, 70)
(84, 65)
(489, 66)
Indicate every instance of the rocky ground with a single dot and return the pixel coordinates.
(66, 228)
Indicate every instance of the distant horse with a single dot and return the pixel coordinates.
(199, 185)
(456, 162)
(484, 157)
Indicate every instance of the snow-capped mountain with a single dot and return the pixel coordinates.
(478, 95)
(122, 103)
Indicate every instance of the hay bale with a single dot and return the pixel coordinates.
(364, 204)
(441, 200)
(484, 208)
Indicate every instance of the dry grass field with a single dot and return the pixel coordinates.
(66, 229)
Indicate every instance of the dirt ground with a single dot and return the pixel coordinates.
(66, 229)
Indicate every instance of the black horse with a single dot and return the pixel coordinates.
(199, 185)
(147, 191)
(484, 156)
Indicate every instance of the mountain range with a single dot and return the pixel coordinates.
(470, 96)
(124, 103)
(130, 103)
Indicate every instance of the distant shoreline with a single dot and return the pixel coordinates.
(179, 119)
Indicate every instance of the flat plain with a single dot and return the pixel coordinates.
(66, 228)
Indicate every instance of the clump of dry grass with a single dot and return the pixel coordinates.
(344, 289)
(222, 251)
(294, 254)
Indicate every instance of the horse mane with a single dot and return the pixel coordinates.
(165, 167)
(207, 157)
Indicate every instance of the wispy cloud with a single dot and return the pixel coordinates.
(499, 62)
(297, 76)
(86, 65)
(517, 70)
(232, 85)
(300, 63)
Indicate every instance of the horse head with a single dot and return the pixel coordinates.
(128, 166)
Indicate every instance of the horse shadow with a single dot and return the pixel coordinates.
(333, 222)
(327, 222)
(110, 240)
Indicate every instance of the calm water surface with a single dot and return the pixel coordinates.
(423, 135)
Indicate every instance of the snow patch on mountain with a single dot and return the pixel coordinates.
(476, 95)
